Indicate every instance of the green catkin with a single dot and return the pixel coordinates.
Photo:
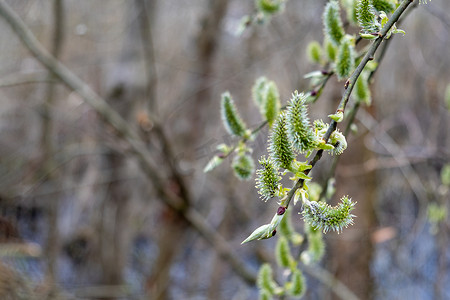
(316, 245)
(350, 8)
(362, 91)
(314, 52)
(267, 179)
(298, 286)
(271, 104)
(366, 16)
(387, 6)
(285, 227)
(283, 253)
(280, 148)
(332, 22)
(299, 130)
(322, 216)
(243, 166)
(231, 119)
(258, 90)
(345, 60)
(269, 6)
(330, 50)
(265, 279)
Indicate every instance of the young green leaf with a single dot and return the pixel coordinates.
(332, 22)
(345, 60)
(280, 148)
(265, 231)
(231, 119)
(213, 163)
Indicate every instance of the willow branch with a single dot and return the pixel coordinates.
(354, 110)
(126, 133)
(350, 83)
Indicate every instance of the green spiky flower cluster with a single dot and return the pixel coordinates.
(265, 280)
(297, 285)
(268, 179)
(314, 51)
(362, 91)
(384, 5)
(345, 60)
(337, 142)
(267, 98)
(231, 119)
(365, 13)
(333, 28)
(299, 129)
(280, 148)
(322, 216)
(283, 254)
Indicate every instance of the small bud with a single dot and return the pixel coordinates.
(213, 163)
(338, 117)
(347, 83)
(281, 210)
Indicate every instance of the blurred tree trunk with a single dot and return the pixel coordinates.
(48, 149)
(173, 228)
(124, 93)
(200, 84)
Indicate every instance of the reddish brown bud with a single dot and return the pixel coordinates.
(347, 83)
(281, 210)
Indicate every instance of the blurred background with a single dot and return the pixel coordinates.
(79, 218)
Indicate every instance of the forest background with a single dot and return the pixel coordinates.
(80, 217)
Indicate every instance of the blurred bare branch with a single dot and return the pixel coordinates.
(125, 132)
